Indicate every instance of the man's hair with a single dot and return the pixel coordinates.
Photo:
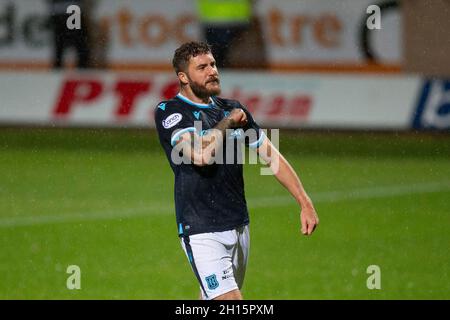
(186, 51)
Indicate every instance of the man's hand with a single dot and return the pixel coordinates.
(309, 219)
(238, 118)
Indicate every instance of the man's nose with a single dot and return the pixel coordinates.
(213, 71)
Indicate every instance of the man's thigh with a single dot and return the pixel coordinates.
(232, 295)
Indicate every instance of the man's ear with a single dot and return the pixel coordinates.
(182, 76)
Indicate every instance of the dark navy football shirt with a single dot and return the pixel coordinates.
(207, 198)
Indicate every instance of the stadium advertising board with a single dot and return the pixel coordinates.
(146, 32)
(276, 100)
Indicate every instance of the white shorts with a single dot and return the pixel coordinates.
(218, 259)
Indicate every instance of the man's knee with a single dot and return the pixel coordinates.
(232, 295)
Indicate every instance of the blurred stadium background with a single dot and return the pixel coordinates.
(364, 118)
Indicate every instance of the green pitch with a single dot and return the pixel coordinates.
(102, 200)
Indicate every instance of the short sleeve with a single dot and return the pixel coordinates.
(171, 123)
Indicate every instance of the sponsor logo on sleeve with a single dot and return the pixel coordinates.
(172, 120)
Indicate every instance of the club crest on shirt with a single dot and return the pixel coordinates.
(236, 134)
(172, 120)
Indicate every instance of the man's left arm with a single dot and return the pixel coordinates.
(286, 175)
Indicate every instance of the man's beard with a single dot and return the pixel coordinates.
(202, 91)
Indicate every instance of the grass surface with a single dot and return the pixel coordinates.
(103, 200)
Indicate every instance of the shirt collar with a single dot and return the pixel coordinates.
(195, 104)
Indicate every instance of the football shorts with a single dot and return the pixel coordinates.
(218, 259)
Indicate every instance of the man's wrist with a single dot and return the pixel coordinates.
(304, 202)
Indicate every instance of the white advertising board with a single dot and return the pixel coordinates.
(275, 100)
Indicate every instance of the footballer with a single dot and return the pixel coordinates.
(211, 211)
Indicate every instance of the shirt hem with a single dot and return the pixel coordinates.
(209, 230)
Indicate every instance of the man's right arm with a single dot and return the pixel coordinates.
(200, 149)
